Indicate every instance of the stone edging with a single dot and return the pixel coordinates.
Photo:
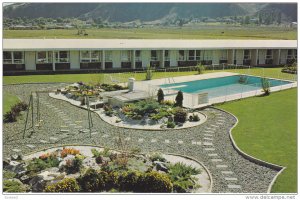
(146, 129)
(92, 145)
(251, 158)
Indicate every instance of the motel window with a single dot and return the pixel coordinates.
(90, 56)
(154, 55)
(198, 55)
(13, 57)
(247, 54)
(181, 55)
(223, 55)
(207, 55)
(7, 57)
(84, 56)
(269, 54)
(138, 55)
(95, 56)
(43, 57)
(167, 56)
(191, 55)
(62, 57)
(125, 56)
(18, 57)
(108, 56)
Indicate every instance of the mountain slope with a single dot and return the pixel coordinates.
(126, 12)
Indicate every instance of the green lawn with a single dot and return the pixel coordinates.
(267, 130)
(8, 101)
(201, 32)
(99, 77)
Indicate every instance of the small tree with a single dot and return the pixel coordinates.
(148, 73)
(179, 99)
(265, 84)
(200, 68)
(160, 95)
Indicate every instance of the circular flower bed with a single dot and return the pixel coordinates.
(97, 170)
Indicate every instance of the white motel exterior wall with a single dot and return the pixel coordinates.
(258, 56)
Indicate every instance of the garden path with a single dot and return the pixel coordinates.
(209, 143)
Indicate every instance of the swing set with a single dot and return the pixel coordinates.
(36, 117)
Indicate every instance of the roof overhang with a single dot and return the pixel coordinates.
(141, 44)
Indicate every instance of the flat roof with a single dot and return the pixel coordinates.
(142, 44)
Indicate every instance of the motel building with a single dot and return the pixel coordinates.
(32, 55)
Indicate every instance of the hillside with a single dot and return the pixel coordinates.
(124, 12)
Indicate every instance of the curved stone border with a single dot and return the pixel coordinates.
(77, 104)
(251, 158)
(92, 145)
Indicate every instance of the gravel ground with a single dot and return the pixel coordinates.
(205, 142)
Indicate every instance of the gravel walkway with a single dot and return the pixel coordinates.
(209, 143)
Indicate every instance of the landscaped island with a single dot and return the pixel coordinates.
(101, 170)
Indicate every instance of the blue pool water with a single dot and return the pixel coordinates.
(216, 87)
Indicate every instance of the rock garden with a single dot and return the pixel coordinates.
(90, 169)
(65, 125)
(152, 113)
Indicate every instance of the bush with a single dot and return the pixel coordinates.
(200, 68)
(181, 176)
(180, 115)
(160, 96)
(148, 73)
(168, 102)
(11, 116)
(194, 118)
(38, 164)
(179, 99)
(154, 182)
(128, 181)
(157, 157)
(73, 165)
(66, 185)
(93, 181)
(13, 186)
(265, 84)
(171, 124)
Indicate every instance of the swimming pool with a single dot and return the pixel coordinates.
(216, 87)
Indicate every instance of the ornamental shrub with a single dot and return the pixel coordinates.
(171, 124)
(154, 182)
(93, 181)
(66, 185)
(160, 96)
(194, 118)
(128, 181)
(265, 84)
(179, 99)
(149, 73)
(180, 115)
(14, 186)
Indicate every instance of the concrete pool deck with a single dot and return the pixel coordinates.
(192, 100)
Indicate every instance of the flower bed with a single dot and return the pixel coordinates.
(78, 91)
(151, 114)
(68, 170)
